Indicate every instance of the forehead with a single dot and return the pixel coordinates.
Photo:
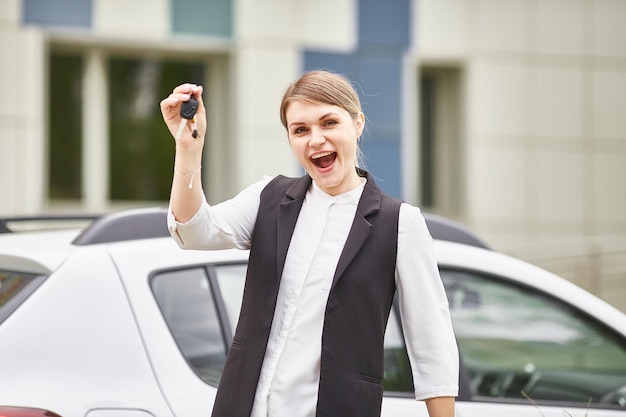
(301, 111)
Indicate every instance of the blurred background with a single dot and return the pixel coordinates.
(508, 116)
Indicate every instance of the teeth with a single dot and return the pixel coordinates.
(321, 155)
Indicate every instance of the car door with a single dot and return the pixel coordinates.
(524, 353)
(176, 308)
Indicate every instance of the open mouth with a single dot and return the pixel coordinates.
(324, 160)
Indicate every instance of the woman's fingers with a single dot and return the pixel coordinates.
(186, 88)
(170, 108)
(181, 93)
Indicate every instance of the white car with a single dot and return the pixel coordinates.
(117, 321)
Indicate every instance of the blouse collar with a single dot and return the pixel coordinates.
(349, 197)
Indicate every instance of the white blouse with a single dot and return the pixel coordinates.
(290, 373)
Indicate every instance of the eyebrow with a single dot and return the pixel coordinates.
(325, 116)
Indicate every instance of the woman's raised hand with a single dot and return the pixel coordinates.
(170, 109)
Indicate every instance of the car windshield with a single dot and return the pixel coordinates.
(516, 341)
(15, 287)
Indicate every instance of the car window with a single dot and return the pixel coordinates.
(15, 287)
(231, 280)
(398, 376)
(514, 339)
(189, 309)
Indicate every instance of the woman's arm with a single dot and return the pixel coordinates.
(187, 195)
(428, 332)
(226, 225)
(191, 221)
(440, 406)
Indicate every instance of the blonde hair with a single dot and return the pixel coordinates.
(322, 87)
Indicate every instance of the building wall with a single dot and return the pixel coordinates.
(545, 128)
(262, 46)
(22, 112)
(538, 163)
(266, 45)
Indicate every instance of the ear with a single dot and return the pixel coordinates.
(359, 123)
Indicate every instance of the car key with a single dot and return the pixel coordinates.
(188, 111)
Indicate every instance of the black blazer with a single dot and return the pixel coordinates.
(352, 362)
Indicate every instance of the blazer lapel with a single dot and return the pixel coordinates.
(361, 227)
(287, 217)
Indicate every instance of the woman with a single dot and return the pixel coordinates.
(328, 251)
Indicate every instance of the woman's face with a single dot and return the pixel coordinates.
(323, 138)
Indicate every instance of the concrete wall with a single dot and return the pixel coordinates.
(544, 136)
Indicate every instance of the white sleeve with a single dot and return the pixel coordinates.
(428, 333)
(226, 225)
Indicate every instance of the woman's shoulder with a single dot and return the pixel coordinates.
(410, 210)
(294, 187)
(411, 217)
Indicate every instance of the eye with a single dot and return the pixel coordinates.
(299, 130)
(330, 122)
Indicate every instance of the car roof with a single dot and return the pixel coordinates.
(455, 247)
(150, 223)
(42, 251)
(448, 230)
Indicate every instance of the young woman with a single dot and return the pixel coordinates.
(328, 252)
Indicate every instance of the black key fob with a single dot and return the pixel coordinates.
(189, 108)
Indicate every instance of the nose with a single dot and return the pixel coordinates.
(317, 138)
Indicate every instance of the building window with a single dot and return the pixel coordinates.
(107, 140)
(440, 144)
(65, 120)
(141, 149)
(427, 139)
